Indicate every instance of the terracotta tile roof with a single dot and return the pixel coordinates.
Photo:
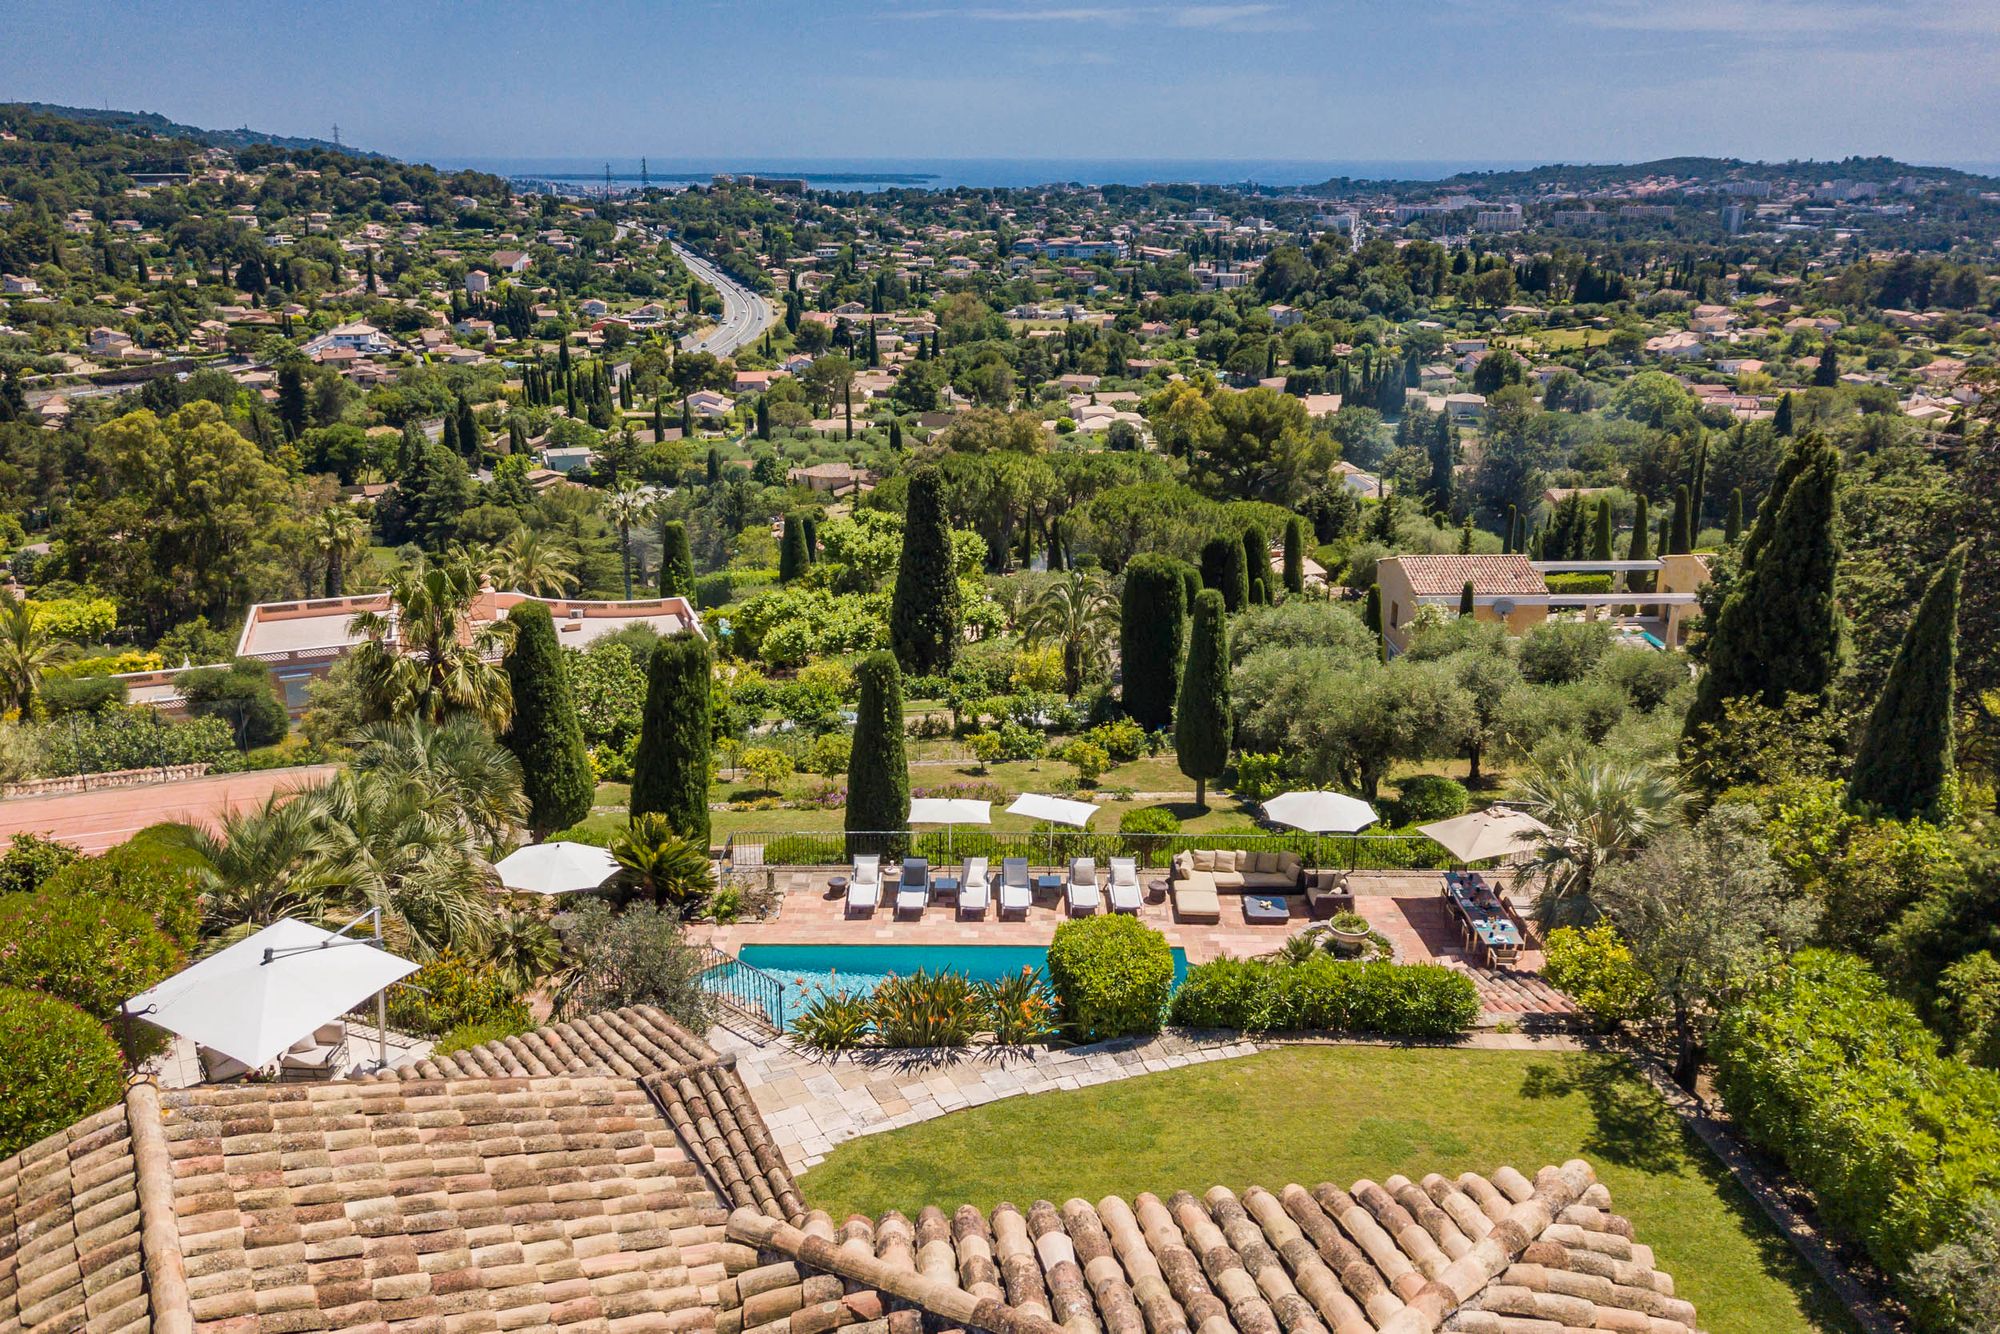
(1445, 576)
(1494, 1256)
(69, 1232)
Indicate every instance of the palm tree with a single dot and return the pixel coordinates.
(656, 859)
(626, 507)
(525, 949)
(260, 865)
(1076, 613)
(27, 651)
(532, 562)
(426, 656)
(338, 533)
(457, 773)
(1599, 810)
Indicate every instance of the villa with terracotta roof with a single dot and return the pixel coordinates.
(1514, 591)
(614, 1175)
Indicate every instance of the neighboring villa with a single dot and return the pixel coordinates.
(301, 641)
(1513, 590)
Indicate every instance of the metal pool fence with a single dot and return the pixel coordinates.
(750, 991)
(1054, 848)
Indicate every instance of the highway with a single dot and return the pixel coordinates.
(745, 315)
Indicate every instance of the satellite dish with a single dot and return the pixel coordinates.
(1503, 606)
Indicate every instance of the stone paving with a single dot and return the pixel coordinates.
(810, 1105)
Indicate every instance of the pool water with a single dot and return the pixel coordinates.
(812, 970)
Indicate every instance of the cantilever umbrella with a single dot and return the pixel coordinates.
(556, 868)
(949, 812)
(1494, 832)
(1320, 812)
(1057, 809)
(259, 996)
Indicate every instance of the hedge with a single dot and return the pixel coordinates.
(1830, 1073)
(61, 1067)
(94, 953)
(156, 879)
(1111, 976)
(1328, 995)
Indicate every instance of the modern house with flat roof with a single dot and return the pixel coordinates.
(302, 640)
(1514, 591)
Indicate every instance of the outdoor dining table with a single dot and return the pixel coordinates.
(1485, 917)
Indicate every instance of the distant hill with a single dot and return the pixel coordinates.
(1597, 176)
(158, 126)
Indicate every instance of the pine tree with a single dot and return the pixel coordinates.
(1465, 599)
(878, 778)
(792, 559)
(1152, 626)
(1780, 632)
(1600, 530)
(924, 615)
(1679, 540)
(1222, 570)
(1202, 720)
(1781, 421)
(670, 770)
(1295, 555)
(544, 733)
(1733, 529)
(676, 561)
(1256, 561)
(1904, 767)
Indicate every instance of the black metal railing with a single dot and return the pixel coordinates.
(1053, 849)
(746, 989)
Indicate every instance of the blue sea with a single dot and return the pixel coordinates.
(978, 173)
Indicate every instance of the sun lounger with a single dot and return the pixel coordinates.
(913, 892)
(1123, 888)
(1082, 888)
(864, 887)
(315, 1056)
(219, 1069)
(974, 890)
(1015, 891)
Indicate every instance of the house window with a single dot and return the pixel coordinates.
(1395, 614)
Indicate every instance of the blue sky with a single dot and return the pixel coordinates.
(1577, 80)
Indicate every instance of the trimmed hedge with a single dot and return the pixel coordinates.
(158, 880)
(61, 1067)
(1842, 1081)
(1111, 976)
(94, 953)
(1327, 995)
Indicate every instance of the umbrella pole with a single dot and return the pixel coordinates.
(381, 1006)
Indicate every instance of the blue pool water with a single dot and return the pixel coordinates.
(809, 970)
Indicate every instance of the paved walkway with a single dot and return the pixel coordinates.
(95, 821)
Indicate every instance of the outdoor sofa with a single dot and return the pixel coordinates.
(1202, 875)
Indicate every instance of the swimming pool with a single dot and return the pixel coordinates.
(811, 970)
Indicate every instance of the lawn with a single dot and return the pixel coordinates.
(1339, 1114)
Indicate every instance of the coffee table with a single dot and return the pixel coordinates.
(1265, 908)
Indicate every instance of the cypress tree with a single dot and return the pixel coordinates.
(448, 435)
(1680, 540)
(809, 525)
(676, 561)
(1511, 532)
(1465, 531)
(924, 615)
(1371, 610)
(670, 771)
(714, 465)
(792, 560)
(1256, 561)
(1640, 547)
(1295, 555)
(1698, 487)
(1780, 632)
(1190, 584)
(544, 733)
(1202, 721)
(1222, 570)
(1733, 529)
(1781, 421)
(1600, 530)
(1905, 762)
(896, 434)
(1152, 625)
(1465, 602)
(659, 422)
(1827, 374)
(878, 779)
(763, 419)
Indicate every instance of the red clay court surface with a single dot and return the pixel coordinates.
(95, 821)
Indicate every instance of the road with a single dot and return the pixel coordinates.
(745, 315)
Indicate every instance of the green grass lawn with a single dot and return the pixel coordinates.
(1339, 1114)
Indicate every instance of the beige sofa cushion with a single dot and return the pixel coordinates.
(1288, 865)
(1229, 879)
(1195, 901)
(1183, 864)
(1264, 863)
(1204, 860)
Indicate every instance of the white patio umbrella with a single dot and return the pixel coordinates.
(556, 868)
(1320, 812)
(1497, 831)
(1057, 809)
(259, 996)
(950, 812)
